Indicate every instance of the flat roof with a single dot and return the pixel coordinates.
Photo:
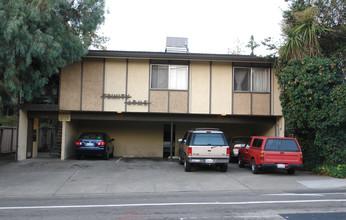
(177, 56)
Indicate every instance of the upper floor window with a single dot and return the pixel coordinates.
(248, 79)
(173, 77)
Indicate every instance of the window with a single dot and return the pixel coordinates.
(205, 139)
(257, 143)
(281, 145)
(174, 77)
(251, 79)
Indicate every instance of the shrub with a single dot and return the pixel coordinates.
(313, 102)
(9, 121)
(338, 171)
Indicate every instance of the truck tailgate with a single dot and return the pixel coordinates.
(281, 157)
(209, 151)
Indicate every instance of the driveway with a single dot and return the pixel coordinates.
(51, 176)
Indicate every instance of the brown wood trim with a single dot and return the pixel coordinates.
(103, 83)
(210, 84)
(126, 83)
(81, 85)
(177, 118)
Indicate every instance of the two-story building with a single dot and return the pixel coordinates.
(147, 100)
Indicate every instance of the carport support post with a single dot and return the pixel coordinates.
(171, 146)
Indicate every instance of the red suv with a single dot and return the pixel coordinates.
(275, 152)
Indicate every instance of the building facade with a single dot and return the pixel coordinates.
(147, 100)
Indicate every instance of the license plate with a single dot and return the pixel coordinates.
(235, 151)
(89, 144)
(281, 165)
(210, 160)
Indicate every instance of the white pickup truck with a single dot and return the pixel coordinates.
(204, 146)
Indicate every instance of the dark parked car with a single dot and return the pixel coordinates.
(94, 143)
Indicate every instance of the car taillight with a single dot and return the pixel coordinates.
(301, 157)
(262, 156)
(78, 143)
(189, 151)
(102, 143)
(228, 151)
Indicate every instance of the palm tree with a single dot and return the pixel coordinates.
(302, 37)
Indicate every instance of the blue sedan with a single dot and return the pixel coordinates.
(94, 143)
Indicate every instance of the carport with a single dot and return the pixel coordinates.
(148, 134)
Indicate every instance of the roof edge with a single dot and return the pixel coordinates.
(180, 56)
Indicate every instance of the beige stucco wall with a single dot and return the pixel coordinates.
(276, 104)
(138, 84)
(22, 135)
(70, 87)
(280, 121)
(69, 136)
(92, 87)
(210, 89)
(199, 87)
(221, 88)
(115, 83)
(139, 139)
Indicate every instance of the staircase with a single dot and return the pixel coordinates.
(56, 149)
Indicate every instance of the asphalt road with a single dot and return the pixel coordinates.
(130, 188)
(182, 205)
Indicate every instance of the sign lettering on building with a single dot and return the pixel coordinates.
(116, 96)
(137, 102)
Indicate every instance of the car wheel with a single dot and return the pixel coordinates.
(291, 171)
(187, 166)
(106, 156)
(254, 167)
(240, 162)
(224, 167)
(180, 161)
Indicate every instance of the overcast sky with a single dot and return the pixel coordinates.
(213, 26)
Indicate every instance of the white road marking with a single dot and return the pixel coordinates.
(304, 194)
(169, 204)
(296, 194)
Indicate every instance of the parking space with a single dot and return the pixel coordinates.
(43, 176)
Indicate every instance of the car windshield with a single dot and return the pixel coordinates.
(207, 139)
(281, 145)
(92, 136)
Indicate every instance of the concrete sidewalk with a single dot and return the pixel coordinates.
(51, 176)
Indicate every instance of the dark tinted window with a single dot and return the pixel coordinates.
(257, 143)
(96, 136)
(241, 140)
(281, 145)
(206, 139)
